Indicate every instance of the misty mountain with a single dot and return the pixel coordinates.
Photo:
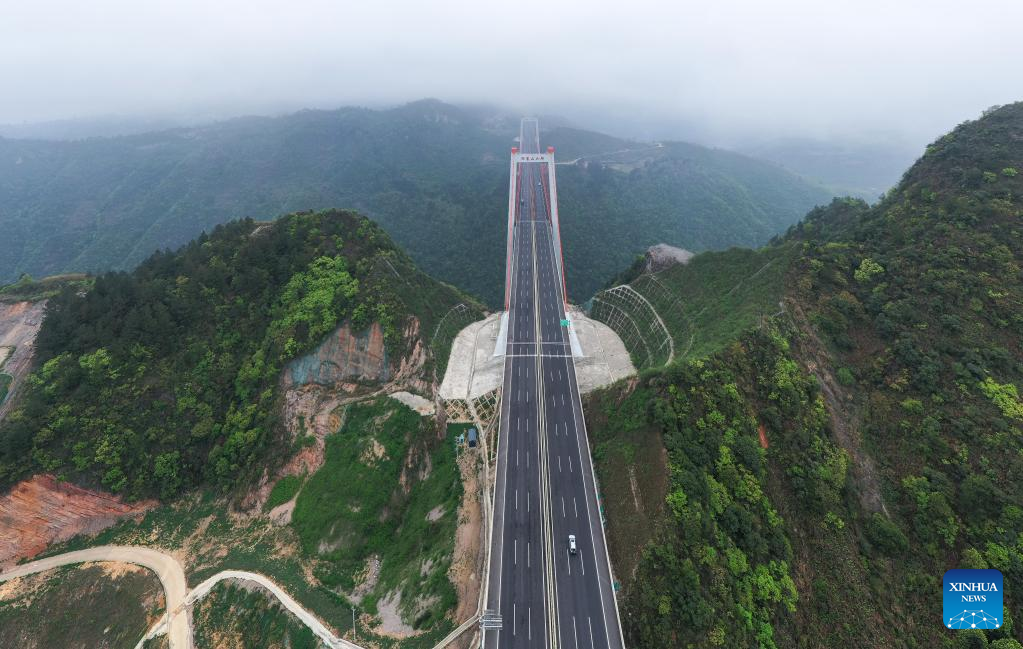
(82, 128)
(863, 169)
(808, 476)
(433, 175)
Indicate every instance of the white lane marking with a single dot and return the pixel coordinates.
(563, 507)
(574, 634)
(516, 457)
(582, 564)
(515, 553)
(575, 506)
(516, 499)
(568, 556)
(589, 621)
(528, 544)
(593, 521)
(514, 615)
(527, 459)
(559, 464)
(529, 613)
(563, 399)
(527, 396)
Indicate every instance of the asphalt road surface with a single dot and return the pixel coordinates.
(545, 491)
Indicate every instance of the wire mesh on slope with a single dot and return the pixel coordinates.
(636, 322)
(457, 318)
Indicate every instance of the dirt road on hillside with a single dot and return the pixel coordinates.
(175, 587)
(166, 567)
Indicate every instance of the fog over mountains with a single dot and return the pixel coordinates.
(432, 174)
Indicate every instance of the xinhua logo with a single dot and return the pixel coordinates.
(973, 599)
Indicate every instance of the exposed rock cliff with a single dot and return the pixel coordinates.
(43, 510)
(19, 324)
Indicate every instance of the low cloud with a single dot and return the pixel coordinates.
(724, 68)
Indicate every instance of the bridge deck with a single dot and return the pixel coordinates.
(545, 490)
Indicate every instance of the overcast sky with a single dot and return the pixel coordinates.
(816, 67)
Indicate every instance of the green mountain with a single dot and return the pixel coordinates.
(840, 424)
(259, 381)
(155, 381)
(865, 169)
(432, 175)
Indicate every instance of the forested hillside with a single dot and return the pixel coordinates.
(864, 169)
(676, 193)
(154, 381)
(816, 474)
(432, 175)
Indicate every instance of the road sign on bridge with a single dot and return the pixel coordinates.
(533, 157)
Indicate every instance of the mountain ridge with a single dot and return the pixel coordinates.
(201, 336)
(427, 172)
(820, 466)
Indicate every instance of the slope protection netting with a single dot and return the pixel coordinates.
(701, 306)
(438, 307)
(668, 305)
(632, 316)
(457, 318)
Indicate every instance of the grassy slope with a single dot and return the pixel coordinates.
(231, 617)
(108, 612)
(203, 528)
(284, 490)
(708, 302)
(212, 538)
(628, 451)
(705, 304)
(385, 471)
(917, 350)
(432, 175)
(32, 290)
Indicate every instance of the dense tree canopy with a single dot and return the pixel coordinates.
(159, 379)
(434, 176)
(887, 390)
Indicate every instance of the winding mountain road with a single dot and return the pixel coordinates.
(166, 567)
(176, 622)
